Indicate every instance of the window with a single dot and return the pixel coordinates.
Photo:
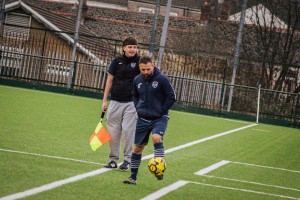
(173, 14)
(152, 11)
(18, 20)
(146, 10)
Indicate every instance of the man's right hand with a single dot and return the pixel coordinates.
(104, 106)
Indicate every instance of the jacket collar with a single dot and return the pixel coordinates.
(128, 59)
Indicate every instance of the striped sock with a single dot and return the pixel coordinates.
(135, 164)
(159, 150)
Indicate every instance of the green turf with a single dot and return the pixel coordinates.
(50, 124)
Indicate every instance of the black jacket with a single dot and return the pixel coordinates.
(124, 70)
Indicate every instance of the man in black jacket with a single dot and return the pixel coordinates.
(121, 116)
(153, 96)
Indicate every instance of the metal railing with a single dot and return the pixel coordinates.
(48, 63)
(190, 91)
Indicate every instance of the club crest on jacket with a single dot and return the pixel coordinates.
(133, 65)
(154, 84)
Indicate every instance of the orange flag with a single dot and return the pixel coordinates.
(99, 137)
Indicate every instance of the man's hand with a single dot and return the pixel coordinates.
(104, 106)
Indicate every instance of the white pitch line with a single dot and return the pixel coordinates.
(54, 184)
(253, 183)
(102, 170)
(165, 190)
(262, 166)
(255, 129)
(202, 140)
(245, 190)
(47, 156)
(212, 167)
(181, 183)
(231, 120)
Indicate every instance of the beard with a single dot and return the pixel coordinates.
(146, 76)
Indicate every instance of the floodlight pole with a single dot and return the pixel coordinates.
(237, 52)
(164, 34)
(154, 31)
(71, 72)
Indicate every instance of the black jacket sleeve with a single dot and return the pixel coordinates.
(135, 94)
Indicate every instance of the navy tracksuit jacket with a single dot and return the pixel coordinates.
(154, 97)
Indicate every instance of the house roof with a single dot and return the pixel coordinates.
(283, 10)
(192, 4)
(65, 28)
(259, 15)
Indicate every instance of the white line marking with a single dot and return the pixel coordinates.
(238, 121)
(254, 183)
(165, 190)
(201, 140)
(47, 156)
(54, 184)
(204, 171)
(262, 166)
(181, 183)
(102, 170)
(245, 190)
(261, 130)
(212, 167)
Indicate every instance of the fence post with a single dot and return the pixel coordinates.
(115, 49)
(258, 102)
(42, 56)
(223, 87)
(297, 110)
(182, 79)
(74, 76)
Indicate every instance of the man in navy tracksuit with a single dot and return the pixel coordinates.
(153, 95)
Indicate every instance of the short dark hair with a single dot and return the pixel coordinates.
(145, 59)
(129, 41)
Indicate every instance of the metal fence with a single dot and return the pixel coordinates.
(52, 71)
(252, 101)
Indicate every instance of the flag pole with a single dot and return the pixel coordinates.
(102, 115)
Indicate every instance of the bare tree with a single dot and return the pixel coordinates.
(274, 40)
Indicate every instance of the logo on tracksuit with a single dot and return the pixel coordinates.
(139, 85)
(154, 84)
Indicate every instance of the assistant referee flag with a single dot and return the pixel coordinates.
(99, 137)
